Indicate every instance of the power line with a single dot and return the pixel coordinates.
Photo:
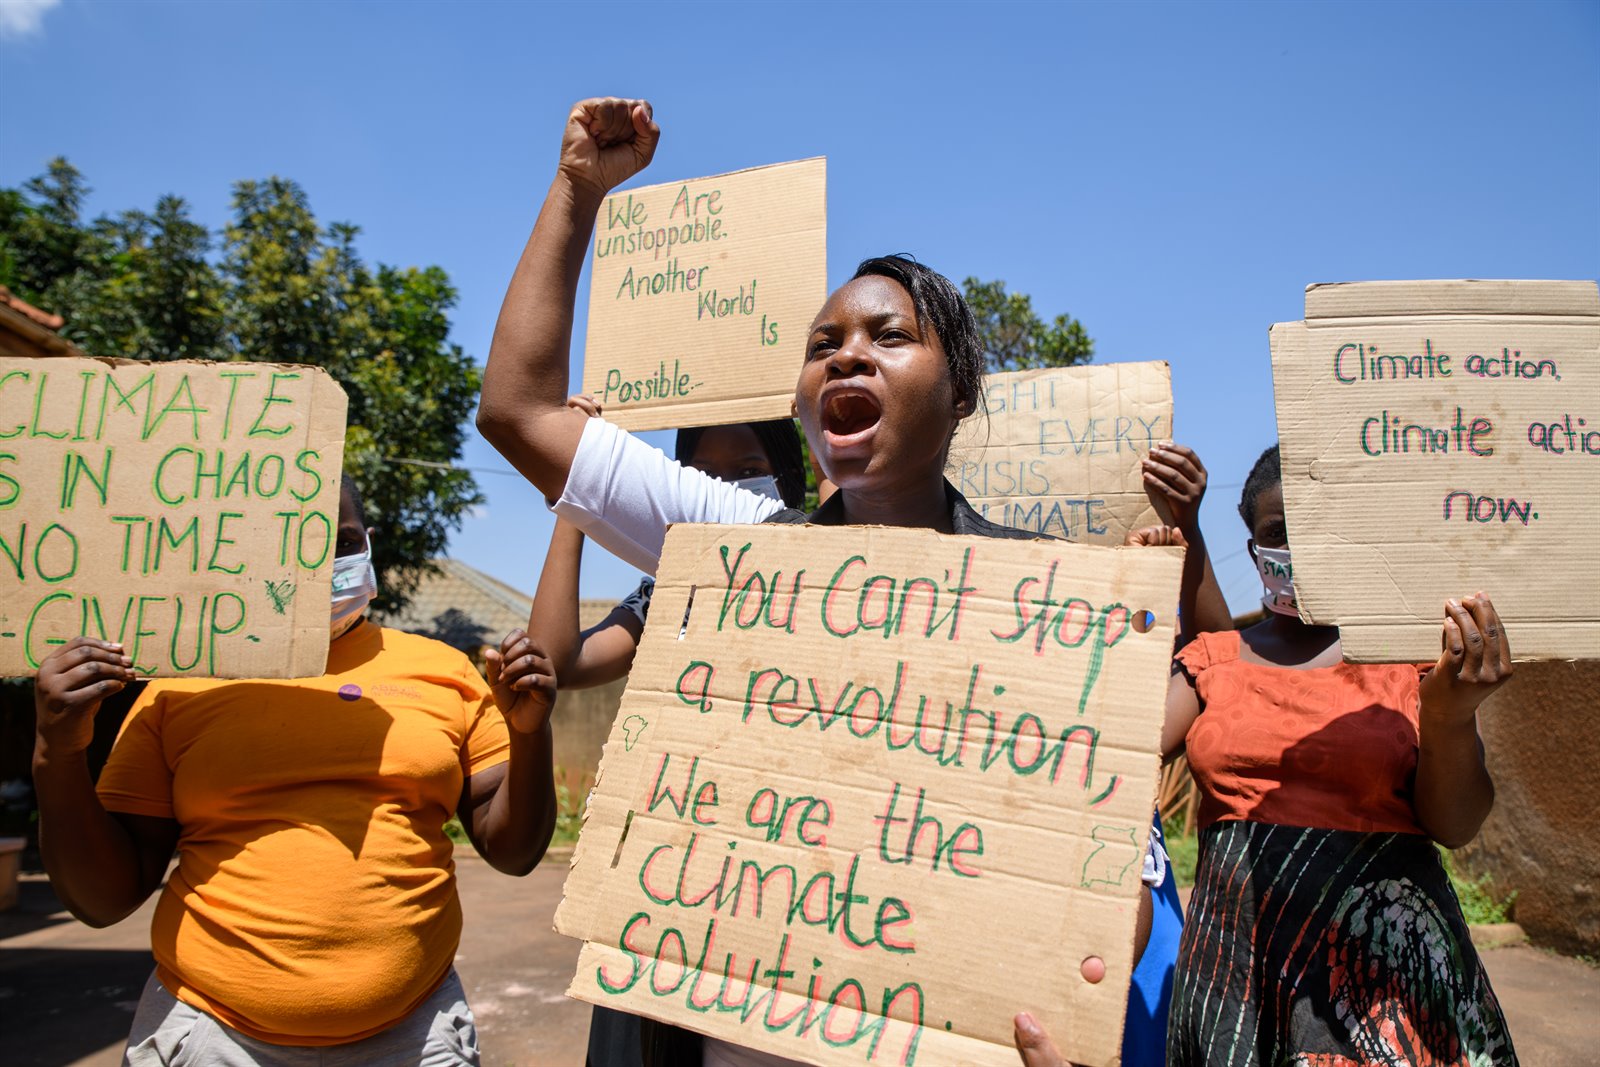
(434, 465)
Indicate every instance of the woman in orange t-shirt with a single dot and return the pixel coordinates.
(1323, 929)
(313, 909)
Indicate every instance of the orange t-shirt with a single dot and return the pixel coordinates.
(314, 901)
(1329, 747)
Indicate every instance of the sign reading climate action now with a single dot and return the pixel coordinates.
(186, 510)
(701, 293)
(1441, 438)
(872, 791)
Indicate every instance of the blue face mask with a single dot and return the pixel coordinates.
(355, 583)
(765, 485)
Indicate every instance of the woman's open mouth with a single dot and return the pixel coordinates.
(849, 417)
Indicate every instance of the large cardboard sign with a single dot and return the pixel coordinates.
(186, 510)
(701, 294)
(1059, 452)
(870, 792)
(1437, 439)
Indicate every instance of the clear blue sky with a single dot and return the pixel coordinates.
(1171, 174)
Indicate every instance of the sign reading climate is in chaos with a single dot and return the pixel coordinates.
(1441, 438)
(185, 510)
(872, 791)
(701, 293)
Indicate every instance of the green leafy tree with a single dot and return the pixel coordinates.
(274, 286)
(1016, 338)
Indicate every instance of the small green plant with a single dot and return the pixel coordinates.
(569, 815)
(1477, 895)
(455, 832)
(1183, 849)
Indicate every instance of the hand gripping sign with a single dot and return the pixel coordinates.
(186, 510)
(873, 791)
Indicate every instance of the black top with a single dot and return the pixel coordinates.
(964, 519)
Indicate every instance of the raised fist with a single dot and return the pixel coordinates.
(607, 141)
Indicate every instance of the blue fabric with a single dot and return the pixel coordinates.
(1144, 1034)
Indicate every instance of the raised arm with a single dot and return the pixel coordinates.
(1175, 480)
(585, 658)
(101, 864)
(509, 810)
(581, 658)
(522, 410)
(1454, 792)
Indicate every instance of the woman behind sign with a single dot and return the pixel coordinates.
(1323, 929)
(312, 916)
(893, 363)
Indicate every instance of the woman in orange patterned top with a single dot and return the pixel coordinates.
(1323, 930)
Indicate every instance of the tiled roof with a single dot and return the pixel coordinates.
(27, 331)
(43, 318)
(465, 608)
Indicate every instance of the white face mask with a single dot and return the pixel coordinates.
(355, 583)
(1277, 576)
(764, 485)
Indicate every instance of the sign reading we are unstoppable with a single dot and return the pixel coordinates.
(186, 510)
(701, 293)
(872, 791)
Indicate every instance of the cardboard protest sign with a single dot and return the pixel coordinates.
(872, 791)
(701, 293)
(1437, 439)
(1060, 450)
(186, 510)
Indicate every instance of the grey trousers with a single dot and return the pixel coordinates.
(169, 1033)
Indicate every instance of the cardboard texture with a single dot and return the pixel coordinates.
(701, 294)
(872, 791)
(1438, 438)
(1060, 450)
(186, 510)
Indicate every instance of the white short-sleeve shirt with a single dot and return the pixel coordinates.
(623, 494)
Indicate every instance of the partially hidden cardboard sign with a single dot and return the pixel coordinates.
(1059, 452)
(701, 294)
(186, 510)
(1439, 438)
(872, 791)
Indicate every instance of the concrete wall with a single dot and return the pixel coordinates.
(581, 723)
(582, 718)
(1542, 737)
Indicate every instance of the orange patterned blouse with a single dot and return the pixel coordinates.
(1329, 747)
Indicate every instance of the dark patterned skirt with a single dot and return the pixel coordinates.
(1328, 948)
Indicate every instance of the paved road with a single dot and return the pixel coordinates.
(67, 992)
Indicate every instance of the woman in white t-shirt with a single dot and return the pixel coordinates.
(893, 362)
